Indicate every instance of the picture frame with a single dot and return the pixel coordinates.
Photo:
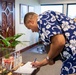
(23, 11)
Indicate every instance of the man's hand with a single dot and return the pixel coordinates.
(42, 63)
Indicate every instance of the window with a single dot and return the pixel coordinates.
(71, 12)
(31, 8)
(23, 11)
(54, 7)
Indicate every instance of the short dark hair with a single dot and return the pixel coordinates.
(27, 16)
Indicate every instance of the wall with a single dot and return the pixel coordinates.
(29, 38)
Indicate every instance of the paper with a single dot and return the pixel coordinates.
(26, 69)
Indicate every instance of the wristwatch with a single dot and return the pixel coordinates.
(48, 59)
(51, 61)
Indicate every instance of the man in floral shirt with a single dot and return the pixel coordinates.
(59, 31)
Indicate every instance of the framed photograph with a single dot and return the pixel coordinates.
(31, 8)
(23, 11)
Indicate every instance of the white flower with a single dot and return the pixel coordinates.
(66, 54)
(58, 27)
(40, 21)
(53, 18)
(73, 43)
(56, 16)
(72, 27)
(65, 25)
(47, 32)
(74, 33)
(67, 34)
(73, 48)
(67, 18)
(65, 22)
(48, 26)
(51, 23)
(61, 16)
(66, 68)
(71, 21)
(44, 23)
(54, 32)
(42, 36)
(40, 16)
(43, 29)
(66, 45)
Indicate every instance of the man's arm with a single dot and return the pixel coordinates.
(58, 42)
(56, 46)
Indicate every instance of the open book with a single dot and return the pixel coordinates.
(25, 69)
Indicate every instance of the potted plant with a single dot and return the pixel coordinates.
(8, 44)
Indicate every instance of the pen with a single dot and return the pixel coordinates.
(35, 60)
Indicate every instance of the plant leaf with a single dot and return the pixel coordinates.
(17, 35)
(9, 38)
(14, 43)
(5, 41)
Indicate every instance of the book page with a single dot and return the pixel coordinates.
(27, 68)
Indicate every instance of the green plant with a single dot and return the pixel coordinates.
(9, 43)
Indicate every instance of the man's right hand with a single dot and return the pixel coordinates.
(42, 63)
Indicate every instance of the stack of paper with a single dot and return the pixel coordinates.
(25, 69)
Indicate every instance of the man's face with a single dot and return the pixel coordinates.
(32, 25)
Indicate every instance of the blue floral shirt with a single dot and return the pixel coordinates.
(51, 23)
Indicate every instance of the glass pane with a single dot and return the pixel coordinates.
(31, 9)
(58, 8)
(23, 11)
(72, 11)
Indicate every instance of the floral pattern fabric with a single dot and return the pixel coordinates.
(51, 23)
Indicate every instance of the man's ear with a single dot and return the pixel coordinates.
(31, 21)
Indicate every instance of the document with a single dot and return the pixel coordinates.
(26, 69)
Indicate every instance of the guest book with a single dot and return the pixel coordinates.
(26, 69)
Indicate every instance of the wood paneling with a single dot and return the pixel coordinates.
(7, 18)
(7, 24)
